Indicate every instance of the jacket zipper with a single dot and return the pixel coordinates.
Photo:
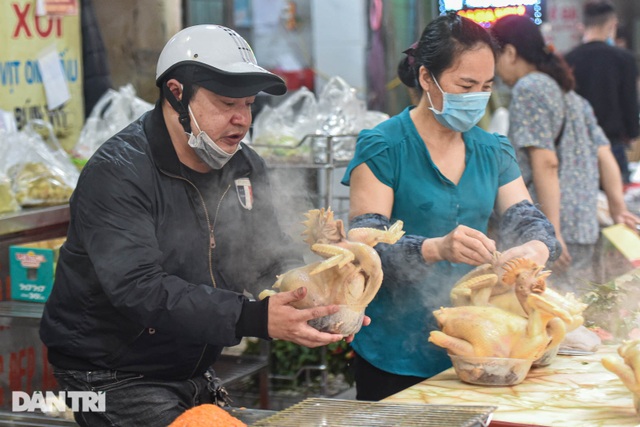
(212, 242)
(210, 226)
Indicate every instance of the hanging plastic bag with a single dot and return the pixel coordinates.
(8, 201)
(277, 130)
(41, 172)
(113, 112)
(340, 112)
(337, 112)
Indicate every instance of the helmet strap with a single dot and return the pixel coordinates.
(180, 106)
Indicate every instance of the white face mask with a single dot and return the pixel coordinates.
(206, 149)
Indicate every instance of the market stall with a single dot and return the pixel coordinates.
(585, 384)
(574, 391)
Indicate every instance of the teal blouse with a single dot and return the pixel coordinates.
(430, 206)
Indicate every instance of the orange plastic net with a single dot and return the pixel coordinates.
(207, 415)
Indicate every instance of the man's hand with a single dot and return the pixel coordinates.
(366, 321)
(289, 323)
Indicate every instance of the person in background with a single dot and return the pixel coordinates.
(433, 168)
(606, 76)
(563, 154)
(172, 221)
(95, 66)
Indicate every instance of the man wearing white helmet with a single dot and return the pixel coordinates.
(171, 221)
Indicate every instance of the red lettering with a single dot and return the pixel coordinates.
(31, 368)
(569, 13)
(18, 370)
(45, 25)
(22, 19)
(47, 30)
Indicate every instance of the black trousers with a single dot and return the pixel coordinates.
(375, 384)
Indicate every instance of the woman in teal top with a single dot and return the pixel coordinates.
(431, 167)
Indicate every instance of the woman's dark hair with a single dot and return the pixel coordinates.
(523, 34)
(441, 42)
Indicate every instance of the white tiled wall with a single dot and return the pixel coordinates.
(339, 31)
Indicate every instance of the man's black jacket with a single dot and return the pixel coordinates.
(140, 286)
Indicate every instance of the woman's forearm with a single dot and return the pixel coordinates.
(611, 181)
(545, 168)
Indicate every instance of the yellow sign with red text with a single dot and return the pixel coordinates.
(24, 37)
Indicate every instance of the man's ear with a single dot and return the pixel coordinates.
(175, 87)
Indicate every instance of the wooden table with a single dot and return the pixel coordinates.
(574, 391)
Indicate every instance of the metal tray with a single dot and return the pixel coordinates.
(324, 412)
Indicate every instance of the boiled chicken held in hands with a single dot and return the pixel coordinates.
(350, 275)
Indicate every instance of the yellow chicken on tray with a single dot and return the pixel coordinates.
(508, 287)
(506, 311)
(350, 275)
(494, 332)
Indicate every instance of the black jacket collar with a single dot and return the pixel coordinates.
(164, 155)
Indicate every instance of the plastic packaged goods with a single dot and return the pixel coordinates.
(41, 172)
(8, 202)
(280, 133)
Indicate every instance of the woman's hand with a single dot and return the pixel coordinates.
(563, 262)
(627, 218)
(534, 250)
(462, 245)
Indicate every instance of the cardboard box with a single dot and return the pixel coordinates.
(32, 267)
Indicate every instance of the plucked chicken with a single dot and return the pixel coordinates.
(350, 275)
(487, 331)
(627, 368)
(508, 287)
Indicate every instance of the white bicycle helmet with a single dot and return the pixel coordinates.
(225, 63)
